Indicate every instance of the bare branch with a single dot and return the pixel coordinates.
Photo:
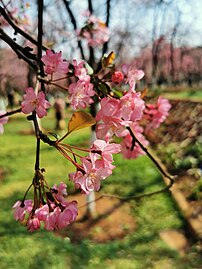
(10, 113)
(73, 21)
(17, 29)
(23, 53)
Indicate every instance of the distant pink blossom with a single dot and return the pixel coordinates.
(32, 102)
(117, 77)
(54, 63)
(156, 114)
(80, 94)
(96, 34)
(3, 120)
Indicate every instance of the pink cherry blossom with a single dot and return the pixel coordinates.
(68, 215)
(117, 77)
(21, 208)
(156, 114)
(80, 71)
(132, 106)
(60, 192)
(32, 102)
(106, 150)
(3, 120)
(54, 63)
(96, 34)
(93, 172)
(51, 219)
(42, 212)
(80, 94)
(33, 224)
(132, 75)
(111, 119)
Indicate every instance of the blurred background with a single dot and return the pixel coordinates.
(161, 37)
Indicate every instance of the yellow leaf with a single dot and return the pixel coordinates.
(107, 61)
(144, 93)
(80, 120)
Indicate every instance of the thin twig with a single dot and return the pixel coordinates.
(163, 172)
(21, 52)
(105, 46)
(10, 113)
(17, 29)
(73, 21)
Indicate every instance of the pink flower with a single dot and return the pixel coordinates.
(80, 94)
(32, 102)
(33, 224)
(55, 213)
(132, 106)
(93, 172)
(163, 106)
(54, 63)
(3, 120)
(51, 219)
(156, 114)
(117, 77)
(111, 119)
(132, 75)
(21, 208)
(80, 71)
(42, 212)
(96, 34)
(68, 215)
(106, 150)
(60, 192)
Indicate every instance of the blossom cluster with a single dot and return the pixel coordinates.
(95, 31)
(56, 213)
(116, 115)
(95, 167)
(124, 116)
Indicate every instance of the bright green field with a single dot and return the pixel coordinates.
(43, 250)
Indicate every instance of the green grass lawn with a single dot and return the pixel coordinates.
(42, 249)
(192, 94)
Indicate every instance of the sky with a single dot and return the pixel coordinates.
(126, 14)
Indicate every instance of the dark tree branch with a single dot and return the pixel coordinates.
(91, 60)
(40, 40)
(17, 29)
(10, 113)
(73, 21)
(135, 140)
(90, 6)
(22, 53)
(105, 46)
